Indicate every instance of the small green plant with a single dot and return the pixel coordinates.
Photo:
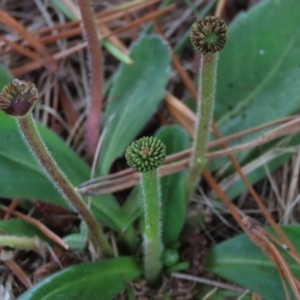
(253, 88)
(208, 36)
(17, 100)
(145, 156)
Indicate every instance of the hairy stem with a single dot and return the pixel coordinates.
(152, 238)
(206, 98)
(35, 143)
(95, 108)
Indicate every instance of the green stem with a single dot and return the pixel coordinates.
(95, 108)
(152, 239)
(35, 143)
(206, 98)
(18, 242)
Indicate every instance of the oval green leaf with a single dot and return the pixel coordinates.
(92, 281)
(259, 68)
(136, 92)
(258, 74)
(21, 176)
(240, 261)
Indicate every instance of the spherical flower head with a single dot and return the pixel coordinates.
(18, 98)
(208, 35)
(145, 154)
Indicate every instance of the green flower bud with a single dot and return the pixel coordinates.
(145, 154)
(208, 35)
(18, 98)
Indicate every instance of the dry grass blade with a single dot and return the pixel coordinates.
(178, 66)
(217, 284)
(128, 7)
(263, 243)
(12, 206)
(13, 24)
(22, 50)
(292, 189)
(220, 8)
(290, 127)
(187, 118)
(73, 28)
(10, 263)
(46, 231)
(275, 256)
(18, 272)
(149, 17)
(31, 66)
(272, 238)
(125, 179)
(181, 113)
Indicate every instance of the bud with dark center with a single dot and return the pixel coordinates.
(145, 154)
(18, 98)
(208, 35)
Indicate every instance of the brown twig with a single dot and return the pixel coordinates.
(47, 232)
(18, 272)
(45, 57)
(185, 153)
(46, 36)
(126, 178)
(13, 205)
(283, 269)
(31, 66)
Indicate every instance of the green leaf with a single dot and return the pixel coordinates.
(259, 68)
(136, 92)
(18, 227)
(172, 186)
(77, 241)
(21, 176)
(240, 261)
(112, 49)
(92, 281)
(258, 75)
(132, 207)
(107, 210)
